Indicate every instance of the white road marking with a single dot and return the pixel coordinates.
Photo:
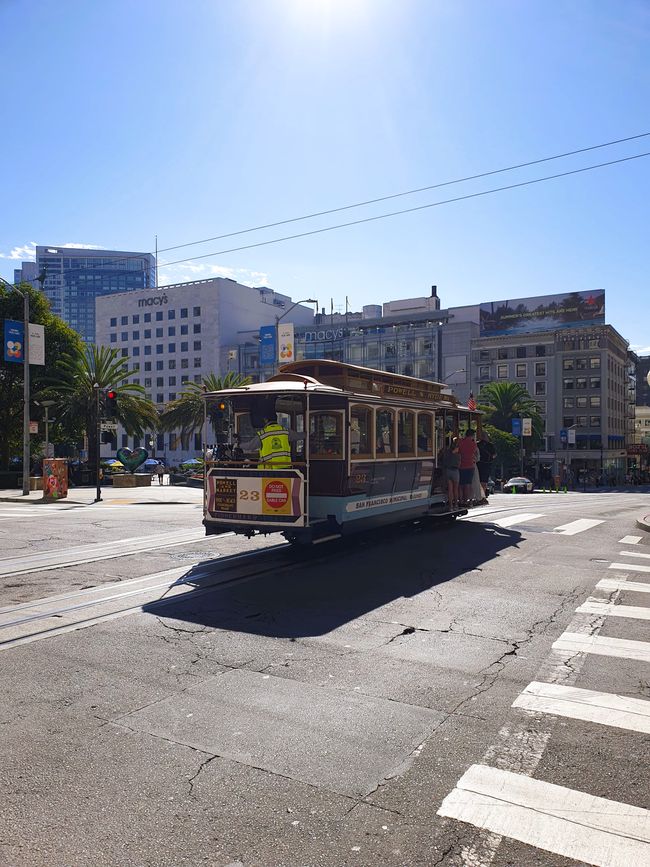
(622, 648)
(611, 609)
(578, 526)
(630, 540)
(630, 567)
(511, 520)
(550, 817)
(584, 704)
(634, 554)
(615, 584)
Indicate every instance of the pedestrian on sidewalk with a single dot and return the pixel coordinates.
(160, 472)
(468, 457)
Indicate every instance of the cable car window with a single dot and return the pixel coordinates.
(425, 433)
(244, 426)
(361, 432)
(326, 435)
(385, 433)
(405, 433)
(440, 433)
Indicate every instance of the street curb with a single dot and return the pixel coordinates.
(644, 523)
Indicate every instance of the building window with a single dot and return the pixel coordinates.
(136, 381)
(136, 350)
(147, 350)
(502, 353)
(567, 364)
(520, 371)
(568, 403)
(196, 328)
(147, 333)
(113, 338)
(136, 335)
(540, 388)
(581, 402)
(184, 347)
(147, 317)
(540, 351)
(124, 335)
(581, 382)
(594, 362)
(594, 400)
(135, 319)
(147, 365)
(184, 329)
(171, 331)
(171, 380)
(384, 432)
(540, 368)
(196, 311)
(594, 382)
(159, 348)
(159, 332)
(502, 371)
(160, 442)
(484, 371)
(484, 355)
(172, 364)
(124, 320)
(581, 363)
(183, 312)
(568, 384)
(171, 347)
(125, 353)
(198, 445)
(567, 421)
(125, 441)
(171, 314)
(147, 382)
(521, 352)
(581, 421)
(197, 361)
(160, 398)
(160, 365)
(160, 381)
(185, 363)
(159, 316)
(594, 421)
(197, 377)
(197, 345)
(114, 322)
(172, 395)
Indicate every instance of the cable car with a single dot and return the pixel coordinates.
(364, 452)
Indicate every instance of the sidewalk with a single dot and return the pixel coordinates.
(644, 523)
(86, 496)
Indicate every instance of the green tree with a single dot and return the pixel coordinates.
(60, 339)
(507, 447)
(185, 414)
(77, 376)
(503, 401)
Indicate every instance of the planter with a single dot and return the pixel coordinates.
(36, 483)
(128, 480)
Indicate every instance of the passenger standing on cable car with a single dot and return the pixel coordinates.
(468, 457)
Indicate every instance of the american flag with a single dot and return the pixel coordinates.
(471, 403)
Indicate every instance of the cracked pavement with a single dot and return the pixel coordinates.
(315, 716)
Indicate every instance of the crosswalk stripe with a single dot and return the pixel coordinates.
(578, 526)
(630, 567)
(511, 520)
(551, 817)
(614, 584)
(634, 554)
(611, 609)
(585, 704)
(630, 540)
(601, 645)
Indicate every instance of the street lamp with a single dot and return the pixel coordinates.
(278, 319)
(26, 442)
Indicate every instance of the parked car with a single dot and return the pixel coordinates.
(490, 486)
(518, 485)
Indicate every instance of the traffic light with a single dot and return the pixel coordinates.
(110, 403)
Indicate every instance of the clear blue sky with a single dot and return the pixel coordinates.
(125, 120)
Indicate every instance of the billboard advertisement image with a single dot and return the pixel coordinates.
(545, 313)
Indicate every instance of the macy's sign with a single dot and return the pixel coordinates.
(152, 302)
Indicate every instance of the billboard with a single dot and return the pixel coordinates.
(545, 313)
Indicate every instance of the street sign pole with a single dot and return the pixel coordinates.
(98, 433)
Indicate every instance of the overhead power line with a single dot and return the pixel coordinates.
(410, 210)
(408, 192)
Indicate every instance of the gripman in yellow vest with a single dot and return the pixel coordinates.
(274, 445)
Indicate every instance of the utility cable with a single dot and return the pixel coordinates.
(410, 210)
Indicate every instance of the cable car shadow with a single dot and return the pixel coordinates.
(321, 591)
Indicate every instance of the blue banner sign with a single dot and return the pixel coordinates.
(516, 427)
(14, 341)
(267, 344)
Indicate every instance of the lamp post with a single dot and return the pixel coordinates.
(26, 441)
(278, 319)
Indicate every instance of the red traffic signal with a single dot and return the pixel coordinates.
(111, 403)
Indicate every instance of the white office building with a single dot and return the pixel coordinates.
(181, 333)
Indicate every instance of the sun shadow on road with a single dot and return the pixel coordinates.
(312, 594)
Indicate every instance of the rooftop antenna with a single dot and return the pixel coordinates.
(156, 265)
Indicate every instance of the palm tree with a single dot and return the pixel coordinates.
(76, 383)
(185, 414)
(503, 401)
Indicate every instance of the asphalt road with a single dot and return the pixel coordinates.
(471, 695)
